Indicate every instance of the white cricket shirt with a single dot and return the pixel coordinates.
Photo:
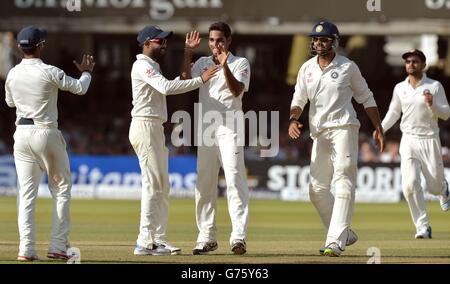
(150, 88)
(215, 94)
(32, 88)
(330, 93)
(418, 118)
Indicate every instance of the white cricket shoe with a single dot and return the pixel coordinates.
(205, 247)
(58, 255)
(173, 249)
(238, 246)
(424, 234)
(28, 258)
(444, 200)
(332, 250)
(351, 239)
(155, 250)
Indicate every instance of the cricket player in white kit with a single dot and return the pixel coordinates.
(220, 95)
(32, 88)
(149, 112)
(329, 81)
(420, 101)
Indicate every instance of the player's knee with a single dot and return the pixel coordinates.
(345, 172)
(316, 190)
(344, 191)
(435, 187)
(410, 186)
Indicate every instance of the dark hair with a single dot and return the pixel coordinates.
(221, 26)
(28, 50)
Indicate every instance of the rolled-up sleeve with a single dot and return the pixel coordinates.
(300, 97)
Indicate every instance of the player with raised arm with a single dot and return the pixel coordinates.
(32, 88)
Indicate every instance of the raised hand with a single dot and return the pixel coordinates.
(209, 73)
(87, 63)
(378, 136)
(428, 97)
(192, 40)
(294, 129)
(223, 54)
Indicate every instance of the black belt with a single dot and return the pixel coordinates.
(26, 121)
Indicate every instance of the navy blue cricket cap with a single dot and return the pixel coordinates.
(151, 32)
(325, 29)
(31, 36)
(415, 52)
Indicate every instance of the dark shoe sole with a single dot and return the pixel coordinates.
(201, 251)
(238, 249)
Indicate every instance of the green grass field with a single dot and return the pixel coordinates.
(279, 232)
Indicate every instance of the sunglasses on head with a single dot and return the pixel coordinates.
(159, 40)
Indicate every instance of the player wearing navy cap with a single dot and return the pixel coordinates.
(150, 88)
(420, 101)
(329, 81)
(32, 88)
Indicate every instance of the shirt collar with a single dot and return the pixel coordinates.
(31, 60)
(333, 62)
(422, 81)
(145, 57)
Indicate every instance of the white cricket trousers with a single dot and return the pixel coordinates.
(334, 155)
(226, 153)
(147, 138)
(420, 155)
(38, 150)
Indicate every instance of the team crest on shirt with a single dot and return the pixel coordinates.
(149, 72)
(334, 75)
(244, 73)
(310, 77)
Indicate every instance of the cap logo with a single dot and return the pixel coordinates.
(319, 28)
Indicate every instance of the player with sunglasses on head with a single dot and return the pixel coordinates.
(420, 101)
(329, 81)
(150, 88)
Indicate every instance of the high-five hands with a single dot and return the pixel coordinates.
(192, 40)
(87, 63)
